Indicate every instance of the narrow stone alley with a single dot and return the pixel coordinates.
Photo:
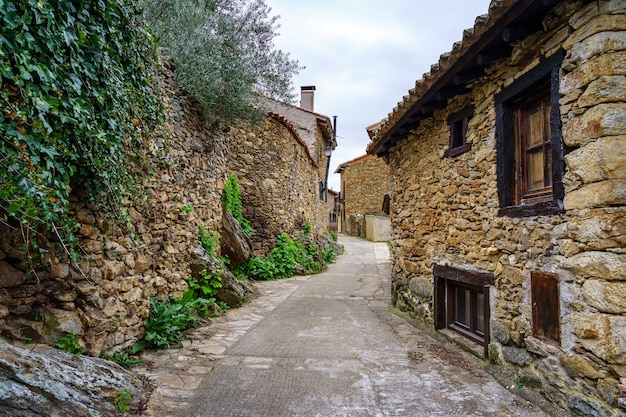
(323, 345)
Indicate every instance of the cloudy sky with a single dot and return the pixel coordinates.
(364, 55)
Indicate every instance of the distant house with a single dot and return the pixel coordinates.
(282, 167)
(508, 198)
(333, 209)
(364, 184)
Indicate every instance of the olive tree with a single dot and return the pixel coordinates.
(223, 53)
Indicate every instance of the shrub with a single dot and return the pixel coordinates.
(224, 53)
(170, 317)
(207, 285)
(282, 260)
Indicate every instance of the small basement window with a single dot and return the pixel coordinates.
(461, 302)
(458, 132)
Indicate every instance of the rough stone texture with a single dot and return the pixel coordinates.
(364, 183)
(444, 211)
(233, 292)
(235, 245)
(106, 301)
(45, 382)
(279, 167)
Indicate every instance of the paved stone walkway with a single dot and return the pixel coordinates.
(323, 345)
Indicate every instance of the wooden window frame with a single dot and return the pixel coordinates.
(446, 280)
(539, 94)
(458, 122)
(508, 180)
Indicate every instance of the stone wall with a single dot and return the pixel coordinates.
(444, 211)
(106, 303)
(364, 183)
(279, 178)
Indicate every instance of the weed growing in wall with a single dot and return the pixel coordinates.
(231, 198)
(124, 359)
(207, 285)
(69, 343)
(122, 401)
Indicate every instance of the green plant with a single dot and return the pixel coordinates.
(122, 401)
(27, 341)
(169, 318)
(186, 208)
(69, 343)
(207, 285)
(333, 235)
(260, 268)
(121, 358)
(78, 103)
(231, 198)
(224, 54)
(329, 254)
(282, 260)
(518, 383)
(307, 228)
(223, 305)
(209, 240)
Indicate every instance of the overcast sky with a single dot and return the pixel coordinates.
(363, 56)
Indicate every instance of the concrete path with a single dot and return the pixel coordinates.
(323, 345)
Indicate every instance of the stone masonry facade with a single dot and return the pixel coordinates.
(364, 183)
(445, 213)
(279, 177)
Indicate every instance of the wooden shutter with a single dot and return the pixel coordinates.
(546, 312)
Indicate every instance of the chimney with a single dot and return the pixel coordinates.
(307, 94)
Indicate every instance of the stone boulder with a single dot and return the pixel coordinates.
(43, 381)
(233, 292)
(234, 243)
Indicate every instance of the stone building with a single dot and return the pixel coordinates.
(508, 201)
(364, 184)
(282, 169)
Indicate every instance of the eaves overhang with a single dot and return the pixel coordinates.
(488, 41)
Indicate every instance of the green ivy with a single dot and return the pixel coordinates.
(77, 99)
(231, 198)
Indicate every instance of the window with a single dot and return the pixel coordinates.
(529, 145)
(461, 302)
(458, 132)
(546, 311)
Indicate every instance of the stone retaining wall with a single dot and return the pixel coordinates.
(106, 304)
(444, 211)
(279, 178)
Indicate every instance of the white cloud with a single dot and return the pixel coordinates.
(364, 55)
